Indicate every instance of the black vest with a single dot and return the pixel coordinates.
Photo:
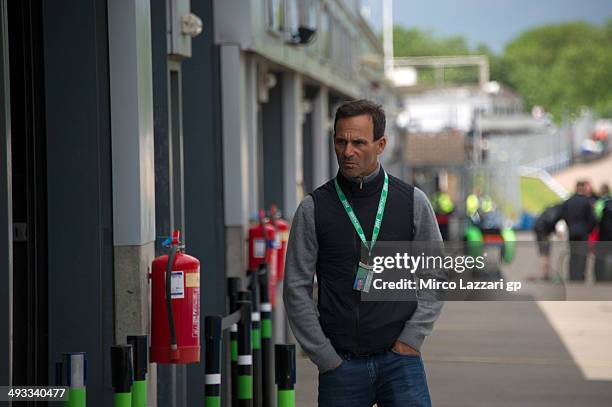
(352, 325)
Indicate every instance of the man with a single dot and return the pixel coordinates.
(603, 248)
(366, 352)
(472, 204)
(577, 212)
(543, 228)
(443, 207)
(588, 191)
(604, 197)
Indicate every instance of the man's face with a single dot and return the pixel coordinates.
(356, 150)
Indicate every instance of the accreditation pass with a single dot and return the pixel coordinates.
(363, 279)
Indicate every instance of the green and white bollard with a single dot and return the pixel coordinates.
(234, 285)
(256, 339)
(245, 357)
(285, 374)
(234, 362)
(140, 361)
(75, 375)
(121, 368)
(267, 380)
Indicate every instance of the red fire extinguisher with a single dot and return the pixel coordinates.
(175, 306)
(282, 236)
(262, 249)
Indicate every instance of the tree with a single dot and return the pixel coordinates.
(414, 42)
(562, 67)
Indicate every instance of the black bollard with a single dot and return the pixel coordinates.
(234, 284)
(267, 367)
(122, 374)
(212, 333)
(245, 357)
(140, 362)
(285, 374)
(256, 338)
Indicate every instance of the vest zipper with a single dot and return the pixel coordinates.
(357, 247)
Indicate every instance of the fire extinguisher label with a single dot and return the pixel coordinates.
(177, 285)
(195, 314)
(259, 248)
(192, 280)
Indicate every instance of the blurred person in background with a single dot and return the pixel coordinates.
(603, 247)
(543, 228)
(593, 198)
(604, 196)
(443, 207)
(479, 206)
(472, 204)
(577, 212)
(589, 192)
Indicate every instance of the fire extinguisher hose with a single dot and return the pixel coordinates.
(171, 256)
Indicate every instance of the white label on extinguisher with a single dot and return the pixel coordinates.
(195, 314)
(177, 285)
(259, 248)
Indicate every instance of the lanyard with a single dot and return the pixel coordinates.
(353, 217)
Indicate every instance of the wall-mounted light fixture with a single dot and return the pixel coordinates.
(183, 25)
(191, 25)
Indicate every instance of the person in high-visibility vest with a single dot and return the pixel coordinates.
(443, 207)
(604, 197)
(603, 248)
(475, 202)
(486, 204)
(472, 204)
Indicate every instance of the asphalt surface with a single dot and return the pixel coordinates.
(512, 353)
(493, 354)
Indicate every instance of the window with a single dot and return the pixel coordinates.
(275, 14)
(301, 20)
(324, 35)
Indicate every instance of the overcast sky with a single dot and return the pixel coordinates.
(494, 22)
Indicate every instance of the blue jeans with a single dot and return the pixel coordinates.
(387, 379)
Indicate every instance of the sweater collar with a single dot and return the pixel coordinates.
(358, 186)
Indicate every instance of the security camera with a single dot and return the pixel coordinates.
(303, 36)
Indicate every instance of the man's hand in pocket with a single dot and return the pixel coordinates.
(402, 348)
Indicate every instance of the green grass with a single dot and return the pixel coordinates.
(536, 195)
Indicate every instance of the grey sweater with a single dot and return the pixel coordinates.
(300, 268)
